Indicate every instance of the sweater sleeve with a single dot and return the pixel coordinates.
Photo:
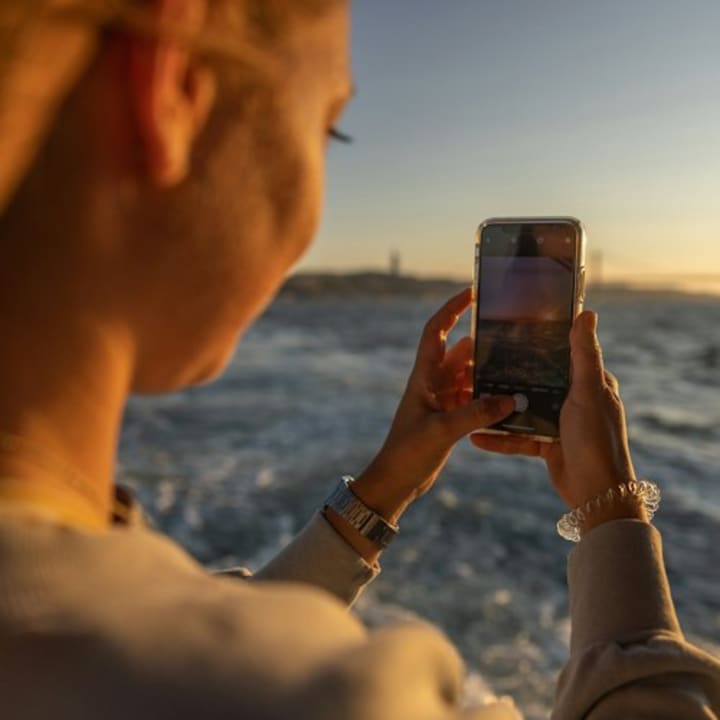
(628, 655)
(319, 556)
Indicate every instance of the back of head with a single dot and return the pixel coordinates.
(162, 154)
(42, 54)
(46, 45)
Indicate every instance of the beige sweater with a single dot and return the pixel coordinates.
(126, 625)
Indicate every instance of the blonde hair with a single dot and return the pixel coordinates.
(46, 45)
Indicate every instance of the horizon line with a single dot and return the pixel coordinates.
(699, 284)
(612, 278)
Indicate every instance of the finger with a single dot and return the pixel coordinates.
(455, 364)
(509, 445)
(431, 350)
(459, 356)
(454, 398)
(468, 377)
(587, 361)
(477, 414)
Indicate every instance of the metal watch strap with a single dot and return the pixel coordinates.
(366, 521)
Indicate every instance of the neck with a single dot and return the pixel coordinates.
(67, 362)
(64, 377)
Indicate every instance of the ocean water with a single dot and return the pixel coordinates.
(232, 470)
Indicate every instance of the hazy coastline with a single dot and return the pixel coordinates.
(378, 284)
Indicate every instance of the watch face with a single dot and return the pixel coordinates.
(361, 517)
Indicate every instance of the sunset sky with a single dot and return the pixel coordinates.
(609, 111)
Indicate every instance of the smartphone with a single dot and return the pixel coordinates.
(529, 285)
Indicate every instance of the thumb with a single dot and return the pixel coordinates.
(587, 361)
(477, 414)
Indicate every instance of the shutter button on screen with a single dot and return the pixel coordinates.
(521, 402)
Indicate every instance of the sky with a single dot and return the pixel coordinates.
(608, 111)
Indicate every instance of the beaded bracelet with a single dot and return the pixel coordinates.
(570, 524)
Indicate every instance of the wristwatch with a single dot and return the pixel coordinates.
(366, 521)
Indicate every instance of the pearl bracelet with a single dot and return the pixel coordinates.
(570, 524)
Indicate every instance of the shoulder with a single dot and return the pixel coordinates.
(134, 627)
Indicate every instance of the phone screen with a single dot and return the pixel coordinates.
(525, 295)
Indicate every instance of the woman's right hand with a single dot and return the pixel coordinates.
(592, 454)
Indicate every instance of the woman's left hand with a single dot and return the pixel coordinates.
(435, 412)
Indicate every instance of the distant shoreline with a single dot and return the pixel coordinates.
(377, 284)
(361, 284)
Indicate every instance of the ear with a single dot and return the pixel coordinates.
(171, 97)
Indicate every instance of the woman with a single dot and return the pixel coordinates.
(160, 171)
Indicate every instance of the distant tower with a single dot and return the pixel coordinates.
(595, 269)
(395, 263)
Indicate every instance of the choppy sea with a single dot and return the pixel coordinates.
(233, 469)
